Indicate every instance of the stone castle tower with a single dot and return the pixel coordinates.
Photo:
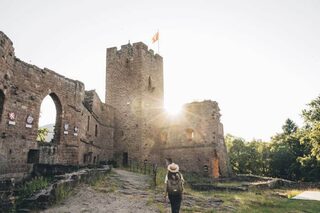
(134, 86)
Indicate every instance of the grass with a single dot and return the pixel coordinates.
(292, 193)
(33, 185)
(62, 192)
(106, 183)
(275, 201)
(256, 201)
(253, 201)
(161, 173)
(30, 187)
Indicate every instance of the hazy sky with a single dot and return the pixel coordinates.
(259, 60)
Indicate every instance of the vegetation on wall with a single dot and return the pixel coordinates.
(292, 154)
(30, 187)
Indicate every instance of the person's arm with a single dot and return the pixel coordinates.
(182, 178)
(165, 186)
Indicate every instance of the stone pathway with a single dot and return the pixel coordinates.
(124, 192)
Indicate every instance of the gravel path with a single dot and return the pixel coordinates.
(308, 195)
(122, 192)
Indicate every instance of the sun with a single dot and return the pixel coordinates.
(173, 109)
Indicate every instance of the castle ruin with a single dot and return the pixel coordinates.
(130, 126)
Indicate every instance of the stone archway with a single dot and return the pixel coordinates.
(56, 129)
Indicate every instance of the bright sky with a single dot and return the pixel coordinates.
(48, 112)
(259, 60)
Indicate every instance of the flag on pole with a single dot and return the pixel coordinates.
(155, 37)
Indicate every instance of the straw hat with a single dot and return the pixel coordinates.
(174, 168)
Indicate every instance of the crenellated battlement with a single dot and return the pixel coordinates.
(131, 50)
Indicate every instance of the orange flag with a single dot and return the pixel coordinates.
(155, 37)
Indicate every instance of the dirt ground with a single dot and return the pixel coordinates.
(124, 192)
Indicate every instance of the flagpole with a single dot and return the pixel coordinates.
(158, 42)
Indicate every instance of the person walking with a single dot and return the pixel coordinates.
(174, 187)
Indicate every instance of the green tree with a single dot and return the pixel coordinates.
(246, 157)
(284, 151)
(311, 138)
(42, 133)
(289, 127)
(293, 154)
(237, 153)
(312, 114)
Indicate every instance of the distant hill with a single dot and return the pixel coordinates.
(50, 135)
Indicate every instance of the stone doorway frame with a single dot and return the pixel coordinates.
(59, 112)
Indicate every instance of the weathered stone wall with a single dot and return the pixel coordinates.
(134, 86)
(195, 139)
(24, 87)
(133, 125)
(99, 128)
(152, 105)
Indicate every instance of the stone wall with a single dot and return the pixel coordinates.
(100, 131)
(131, 126)
(195, 140)
(24, 86)
(134, 86)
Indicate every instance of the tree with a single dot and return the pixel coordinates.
(42, 133)
(236, 150)
(312, 114)
(245, 157)
(293, 154)
(284, 150)
(289, 127)
(311, 138)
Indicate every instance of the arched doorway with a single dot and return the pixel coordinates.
(1, 103)
(50, 119)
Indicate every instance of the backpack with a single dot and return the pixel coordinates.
(175, 187)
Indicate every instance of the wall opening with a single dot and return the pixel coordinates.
(50, 119)
(88, 124)
(205, 170)
(125, 159)
(96, 130)
(33, 156)
(150, 86)
(85, 158)
(164, 137)
(190, 134)
(1, 103)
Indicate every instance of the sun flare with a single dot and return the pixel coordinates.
(173, 109)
